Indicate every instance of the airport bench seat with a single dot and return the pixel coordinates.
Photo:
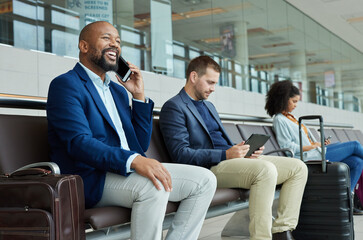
(23, 140)
(104, 217)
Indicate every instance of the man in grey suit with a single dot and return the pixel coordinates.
(194, 134)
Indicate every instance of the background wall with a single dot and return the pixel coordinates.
(28, 72)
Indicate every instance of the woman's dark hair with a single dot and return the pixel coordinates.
(278, 96)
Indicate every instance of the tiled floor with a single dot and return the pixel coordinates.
(212, 228)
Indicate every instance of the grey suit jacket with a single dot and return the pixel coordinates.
(185, 134)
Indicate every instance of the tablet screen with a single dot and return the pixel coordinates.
(256, 141)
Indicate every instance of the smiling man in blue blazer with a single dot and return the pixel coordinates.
(195, 135)
(94, 132)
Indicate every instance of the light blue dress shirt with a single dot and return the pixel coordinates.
(287, 134)
(103, 90)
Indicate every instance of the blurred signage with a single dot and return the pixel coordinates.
(264, 67)
(329, 79)
(98, 10)
(6, 7)
(91, 10)
(228, 40)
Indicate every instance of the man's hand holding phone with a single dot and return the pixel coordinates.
(123, 70)
(133, 82)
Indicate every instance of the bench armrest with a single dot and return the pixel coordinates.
(289, 150)
(51, 165)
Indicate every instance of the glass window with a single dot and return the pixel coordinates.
(217, 59)
(254, 73)
(229, 80)
(248, 53)
(239, 84)
(237, 68)
(263, 75)
(28, 10)
(132, 54)
(208, 54)
(229, 64)
(65, 20)
(179, 68)
(179, 50)
(356, 104)
(24, 36)
(130, 36)
(64, 44)
(339, 100)
(193, 53)
(254, 85)
(325, 97)
(41, 39)
(263, 88)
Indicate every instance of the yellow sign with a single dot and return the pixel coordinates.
(6, 7)
(264, 67)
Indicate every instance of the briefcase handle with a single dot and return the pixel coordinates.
(51, 165)
(36, 169)
(40, 172)
(310, 117)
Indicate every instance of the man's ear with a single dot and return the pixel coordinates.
(83, 46)
(193, 76)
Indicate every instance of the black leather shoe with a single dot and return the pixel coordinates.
(357, 203)
(283, 236)
(357, 211)
(357, 206)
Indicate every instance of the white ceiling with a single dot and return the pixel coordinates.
(335, 15)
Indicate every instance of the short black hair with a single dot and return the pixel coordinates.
(278, 96)
(200, 65)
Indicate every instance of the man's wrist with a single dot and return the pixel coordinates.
(129, 161)
(147, 100)
(139, 96)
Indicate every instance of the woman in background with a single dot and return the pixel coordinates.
(281, 100)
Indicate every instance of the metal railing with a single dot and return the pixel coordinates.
(22, 101)
(39, 103)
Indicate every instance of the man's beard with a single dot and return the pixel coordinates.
(102, 63)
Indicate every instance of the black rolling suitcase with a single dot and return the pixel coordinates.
(326, 209)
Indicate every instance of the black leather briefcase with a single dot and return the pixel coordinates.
(36, 204)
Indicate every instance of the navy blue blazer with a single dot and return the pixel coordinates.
(186, 136)
(82, 137)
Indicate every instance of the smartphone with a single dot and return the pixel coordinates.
(123, 70)
(329, 137)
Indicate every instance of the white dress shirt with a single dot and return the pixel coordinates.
(103, 90)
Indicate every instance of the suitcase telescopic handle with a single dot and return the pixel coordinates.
(310, 117)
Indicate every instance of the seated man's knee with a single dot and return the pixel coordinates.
(154, 194)
(266, 171)
(209, 179)
(301, 168)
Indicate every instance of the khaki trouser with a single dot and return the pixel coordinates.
(261, 176)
